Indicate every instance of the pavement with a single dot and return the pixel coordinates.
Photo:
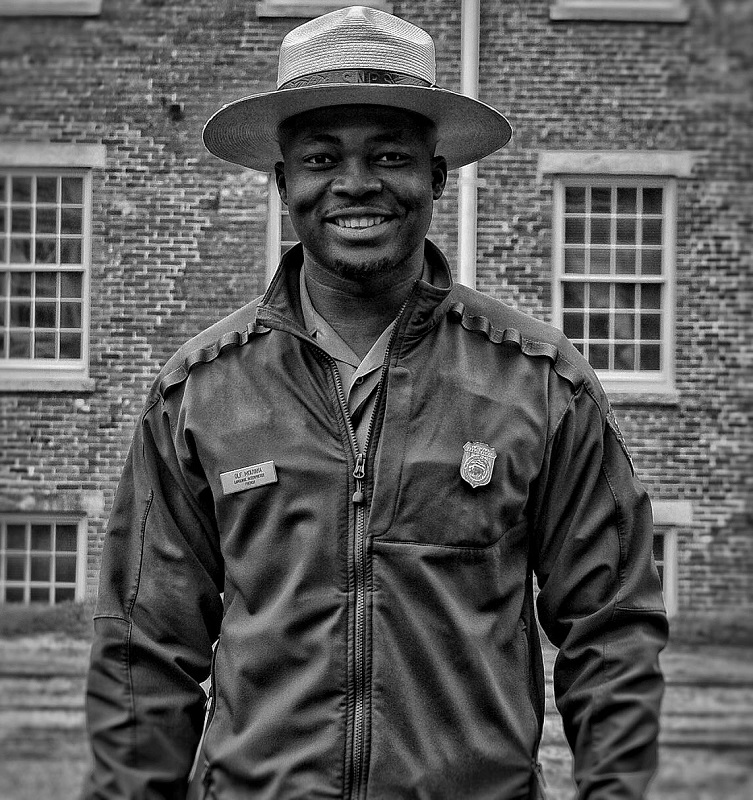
(706, 743)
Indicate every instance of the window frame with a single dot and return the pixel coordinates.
(668, 516)
(45, 518)
(275, 211)
(672, 11)
(43, 159)
(50, 8)
(623, 381)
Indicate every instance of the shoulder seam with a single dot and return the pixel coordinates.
(208, 353)
(530, 347)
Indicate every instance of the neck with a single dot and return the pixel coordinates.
(360, 306)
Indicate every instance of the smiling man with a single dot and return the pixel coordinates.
(337, 498)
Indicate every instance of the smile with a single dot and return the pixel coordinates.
(358, 222)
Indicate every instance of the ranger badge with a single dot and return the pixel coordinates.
(477, 464)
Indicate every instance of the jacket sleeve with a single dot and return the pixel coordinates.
(600, 601)
(158, 614)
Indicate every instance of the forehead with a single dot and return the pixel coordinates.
(380, 123)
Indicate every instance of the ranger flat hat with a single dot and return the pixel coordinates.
(355, 56)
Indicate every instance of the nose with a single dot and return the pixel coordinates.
(355, 178)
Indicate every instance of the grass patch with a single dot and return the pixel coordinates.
(73, 620)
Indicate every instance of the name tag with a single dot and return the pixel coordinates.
(248, 477)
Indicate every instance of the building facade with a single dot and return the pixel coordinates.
(621, 212)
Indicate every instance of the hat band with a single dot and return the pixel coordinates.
(341, 76)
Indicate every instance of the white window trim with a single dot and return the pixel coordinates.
(591, 167)
(620, 10)
(307, 8)
(668, 515)
(81, 546)
(50, 8)
(274, 229)
(36, 158)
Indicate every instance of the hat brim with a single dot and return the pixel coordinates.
(245, 131)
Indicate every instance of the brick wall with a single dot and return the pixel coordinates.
(179, 237)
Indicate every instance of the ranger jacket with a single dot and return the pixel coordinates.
(368, 617)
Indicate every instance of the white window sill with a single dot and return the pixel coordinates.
(15, 384)
(307, 10)
(50, 8)
(620, 10)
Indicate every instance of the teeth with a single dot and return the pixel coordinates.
(359, 222)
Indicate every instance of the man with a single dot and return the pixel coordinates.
(348, 484)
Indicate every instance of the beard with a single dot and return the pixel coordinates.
(347, 269)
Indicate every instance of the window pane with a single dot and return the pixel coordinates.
(288, 234)
(601, 230)
(626, 200)
(20, 220)
(626, 231)
(651, 262)
(574, 295)
(70, 315)
(624, 357)
(20, 284)
(21, 189)
(65, 569)
(41, 537)
(19, 344)
(20, 314)
(41, 568)
(15, 567)
(39, 594)
(70, 345)
(652, 201)
(44, 345)
(598, 355)
(601, 200)
(625, 261)
(70, 284)
(575, 200)
(20, 251)
(650, 326)
(624, 295)
(598, 326)
(47, 220)
(70, 251)
(599, 295)
(650, 356)
(70, 220)
(575, 230)
(14, 594)
(64, 594)
(624, 326)
(572, 325)
(658, 547)
(46, 283)
(73, 190)
(15, 537)
(575, 260)
(651, 231)
(650, 296)
(44, 315)
(65, 538)
(47, 189)
(600, 261)
(45, 251)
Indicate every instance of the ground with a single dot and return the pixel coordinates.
(706, 740)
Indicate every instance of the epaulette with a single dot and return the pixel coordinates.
(204, 355)
(512, 336)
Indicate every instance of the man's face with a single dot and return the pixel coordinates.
(360, 183)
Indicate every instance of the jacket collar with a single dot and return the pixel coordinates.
(427, 302)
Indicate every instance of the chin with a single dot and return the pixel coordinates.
(359, 269)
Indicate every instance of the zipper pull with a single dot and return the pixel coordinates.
(359, 473)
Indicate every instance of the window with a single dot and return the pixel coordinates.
(307, 8)
(613, 264)
(280, 234)
(41, 559)
(669, 515)
(50, 8)
(620, 10)
(45, 232)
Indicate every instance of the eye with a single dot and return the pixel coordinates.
(318, 159)
(393, 158)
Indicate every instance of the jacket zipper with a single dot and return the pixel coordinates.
(360, 557)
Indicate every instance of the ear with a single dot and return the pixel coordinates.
(282, 188)
(438, 176)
